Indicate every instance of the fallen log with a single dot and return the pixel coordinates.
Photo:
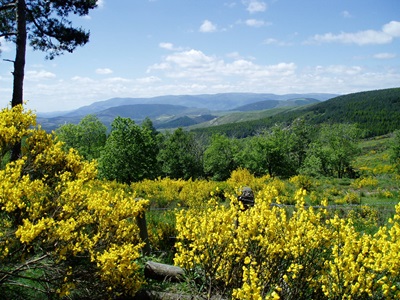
(163, 272)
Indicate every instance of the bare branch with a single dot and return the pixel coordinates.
(21, 268)
(8, 34)
(7, 6)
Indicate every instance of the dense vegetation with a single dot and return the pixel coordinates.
(325, 224)
(375, 112)
(134, 152)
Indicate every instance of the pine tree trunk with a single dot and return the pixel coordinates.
(19, 65)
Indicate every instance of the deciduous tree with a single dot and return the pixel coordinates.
(220, 157)
(130, 153)
(88, 137)
(269, 153)
(180, 155)
(335, 148)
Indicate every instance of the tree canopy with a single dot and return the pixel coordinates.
(130, 152)
(88, 137)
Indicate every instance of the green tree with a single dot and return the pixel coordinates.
(45, 24)
(93, 135)
(130, 153)
(220, 157)
(148, 124)
(269, 153)
(335, 148)
(88, 137)
(301, 136)
(69, 134)
(180, 155)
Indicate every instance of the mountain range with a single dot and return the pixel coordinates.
(179, 110)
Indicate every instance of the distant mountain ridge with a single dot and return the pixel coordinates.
(224, 101)
(175, 111)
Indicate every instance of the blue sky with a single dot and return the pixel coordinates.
(146, 48)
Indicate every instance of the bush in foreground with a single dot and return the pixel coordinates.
(62, 232)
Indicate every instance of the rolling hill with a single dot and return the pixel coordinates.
(213, 102)
(376, 112)
(178, 111)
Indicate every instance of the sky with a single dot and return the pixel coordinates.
(147, 48)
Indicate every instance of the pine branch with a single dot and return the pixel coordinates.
(8, 6)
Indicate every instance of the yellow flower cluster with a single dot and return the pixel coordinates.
(118, 268)
(51, 201)
(243, 177)
(302, 182)
(267, 252)
(165, 192)
(365, 182)
(15, 123)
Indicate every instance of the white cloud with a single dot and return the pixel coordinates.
(392, 28)
(197, 66)
(341, 70)
(359, 38)
(100, 3)
(160, 66)
(272, 41)
(215, 76)
(255, 6)
(117, 80)
(255, 23)
(169, 46)
(207, 26)
(385, 55)
(104, 71)
(148, 80)
(39, 75)
(234, 55)
(4, 45)
(81, 79)
(366, 37)
(190, 58)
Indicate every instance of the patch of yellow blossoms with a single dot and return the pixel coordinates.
(266, 252)
(51, 202)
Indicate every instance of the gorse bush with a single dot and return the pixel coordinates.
(77, 234)
(266, 253)
(365, 182)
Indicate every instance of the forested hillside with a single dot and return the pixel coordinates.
(375, 112)
(270, 104)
